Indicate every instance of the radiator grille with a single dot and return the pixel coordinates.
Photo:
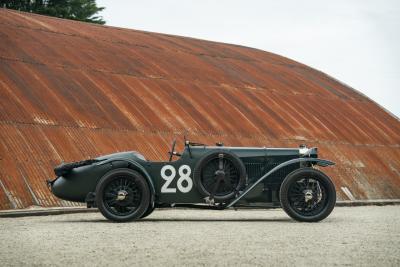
(257, 169)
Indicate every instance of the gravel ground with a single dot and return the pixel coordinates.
(367, 236)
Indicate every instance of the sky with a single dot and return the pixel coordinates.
(354, 41)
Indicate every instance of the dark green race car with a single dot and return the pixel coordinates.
(125, 186)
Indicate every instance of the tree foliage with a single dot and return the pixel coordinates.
(83, 10)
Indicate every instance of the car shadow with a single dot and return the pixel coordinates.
(213, 220)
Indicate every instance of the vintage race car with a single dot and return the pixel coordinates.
(125, 186)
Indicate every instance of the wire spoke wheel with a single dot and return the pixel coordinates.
(219, 175)
(307, 195)
(224, 186)
(123, 195)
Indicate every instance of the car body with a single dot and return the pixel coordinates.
(125, 186)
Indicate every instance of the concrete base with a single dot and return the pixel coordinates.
(372, 202)
(44, 211)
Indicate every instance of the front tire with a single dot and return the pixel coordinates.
(307, 195)
(122, 195)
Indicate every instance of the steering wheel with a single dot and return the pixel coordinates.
(172, 152)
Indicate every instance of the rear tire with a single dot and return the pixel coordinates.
(122, 195)
(149, 211)
(307, 195)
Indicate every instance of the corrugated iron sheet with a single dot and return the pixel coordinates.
(71, 90)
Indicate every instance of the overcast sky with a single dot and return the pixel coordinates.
(355, 41)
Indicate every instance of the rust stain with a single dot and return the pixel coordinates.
(71, 90)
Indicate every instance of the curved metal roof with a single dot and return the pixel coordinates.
(71, 90)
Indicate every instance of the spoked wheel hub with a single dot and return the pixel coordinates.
(122, 195)
(307, 196)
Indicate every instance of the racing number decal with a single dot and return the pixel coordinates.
(184, 172)
(168, 179)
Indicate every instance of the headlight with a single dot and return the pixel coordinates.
(303, 150)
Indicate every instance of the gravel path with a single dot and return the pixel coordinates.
(367, 236)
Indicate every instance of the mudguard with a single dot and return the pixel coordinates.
(316, 161)
(137, 166)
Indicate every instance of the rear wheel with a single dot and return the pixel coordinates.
(122, 195)
(149, 211)
(307, 195)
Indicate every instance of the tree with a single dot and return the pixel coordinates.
(83, 10)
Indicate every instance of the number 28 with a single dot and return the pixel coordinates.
(184, 172)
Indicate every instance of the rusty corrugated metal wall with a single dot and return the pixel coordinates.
(71, 90)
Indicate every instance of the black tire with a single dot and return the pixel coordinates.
(317, 185)
(127, 184)
(234, 168)
(149, 211)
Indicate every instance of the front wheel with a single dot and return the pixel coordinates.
(122, 195)
(307, 195)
